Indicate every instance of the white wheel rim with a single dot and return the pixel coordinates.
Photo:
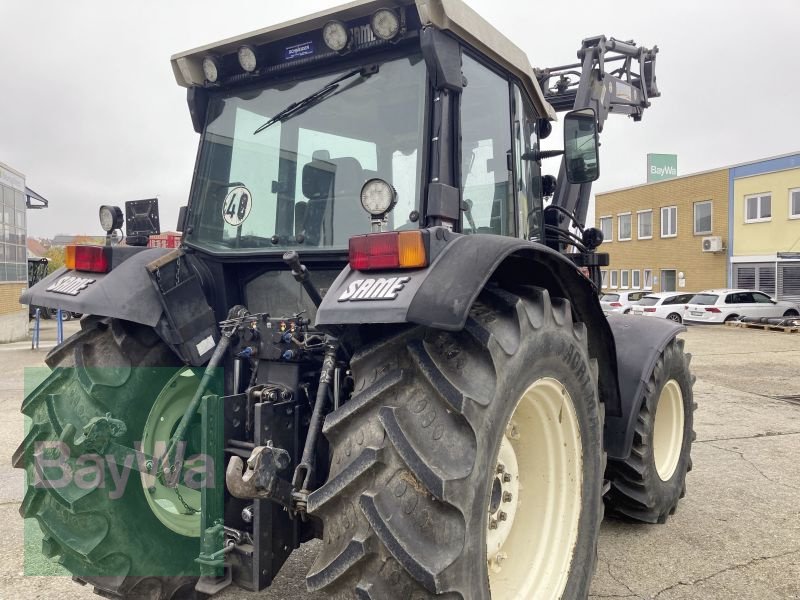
(668, 430)
(539, 480)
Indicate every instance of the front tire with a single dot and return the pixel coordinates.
(647, 486)
(112, 542)
(446, 431)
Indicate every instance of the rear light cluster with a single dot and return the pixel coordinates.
(712, 309)
(95, 259)
(616, 304)
(649, 310)
(390, 250)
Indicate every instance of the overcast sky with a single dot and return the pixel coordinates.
(91, 114)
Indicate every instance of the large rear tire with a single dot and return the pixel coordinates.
(114, 543)
(467, 464)
(647, 486)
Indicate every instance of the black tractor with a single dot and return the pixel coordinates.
(381, 329)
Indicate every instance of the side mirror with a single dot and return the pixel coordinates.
(581, 146)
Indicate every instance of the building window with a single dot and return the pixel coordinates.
(606, 225)
(13, 255)
(648, 279)
(624, 227)
(635, 281)
(758, 208)
(669, 221)
(614, 282)
(604, 278)
(702, 217)
(645, 224)
(794, 203)
(624, 279)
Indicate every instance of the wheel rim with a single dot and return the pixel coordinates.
(169, 504)
(538, 488)
(674, 317)
(668, 430)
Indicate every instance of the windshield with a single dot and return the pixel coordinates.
(297, 182)
(609, 298)
(649, 301)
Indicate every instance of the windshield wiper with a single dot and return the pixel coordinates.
(297, 107)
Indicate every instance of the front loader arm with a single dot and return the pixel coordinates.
(626, 90)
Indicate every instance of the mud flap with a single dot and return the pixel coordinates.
(192, 330)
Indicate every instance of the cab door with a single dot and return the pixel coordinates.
(486, 151)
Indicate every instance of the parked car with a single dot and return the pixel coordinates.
(719, 306)
(620, 302)
(667, 305)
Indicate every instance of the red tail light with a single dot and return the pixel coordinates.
(390, 250)
(95, 259)
(649, 310)
(616, 304)
(712, 309)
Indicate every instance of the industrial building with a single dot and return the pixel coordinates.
(16, 198)
(736, 226)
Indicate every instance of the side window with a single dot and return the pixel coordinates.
(761, 298)
(528, 172)
(485, 152)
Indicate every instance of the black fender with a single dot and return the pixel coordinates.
(440, 296)
(179, 312)
(125, 292)
(639, 340)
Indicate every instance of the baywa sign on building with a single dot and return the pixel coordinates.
(661, 166)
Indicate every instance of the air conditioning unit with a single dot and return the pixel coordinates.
(712, 243)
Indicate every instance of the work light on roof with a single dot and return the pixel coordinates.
(385, 24)
(336, 35)
(211, 68)
(247, 58)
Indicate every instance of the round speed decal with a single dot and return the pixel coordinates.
(237, 205)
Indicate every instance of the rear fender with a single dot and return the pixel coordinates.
(441, 295)
(125, 292)
(639, 341)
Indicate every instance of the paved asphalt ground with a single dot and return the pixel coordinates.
(735, 536)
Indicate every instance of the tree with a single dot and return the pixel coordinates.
(56, 257)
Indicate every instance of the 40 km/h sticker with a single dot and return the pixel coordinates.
(237, 205)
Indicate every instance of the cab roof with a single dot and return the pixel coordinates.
(447, 15)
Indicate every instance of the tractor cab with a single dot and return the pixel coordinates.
(367, 118)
